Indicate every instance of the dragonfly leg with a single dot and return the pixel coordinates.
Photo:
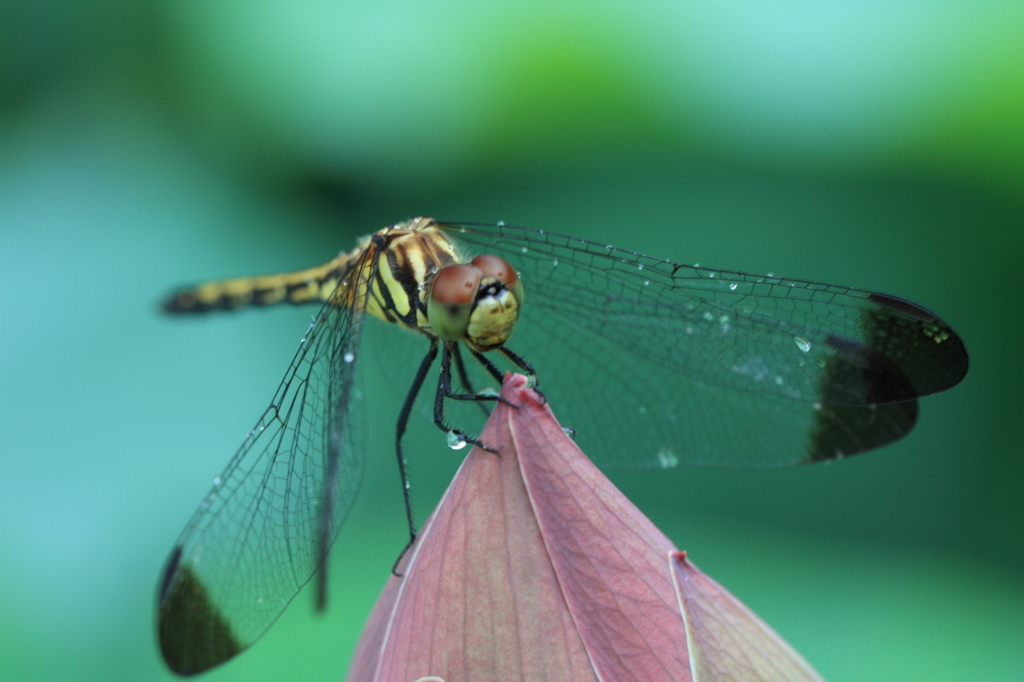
(403, 423)
(401, 555)
(489, 366)
(444, 390)
(520, 362)
(472, 395)
(460, 367)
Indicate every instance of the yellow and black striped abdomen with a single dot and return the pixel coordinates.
(401, 260)
(302, 286)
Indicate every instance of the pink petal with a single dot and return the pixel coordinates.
(611, 561)
(728, 641)
(535, 567)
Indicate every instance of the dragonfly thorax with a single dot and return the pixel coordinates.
(477, 302)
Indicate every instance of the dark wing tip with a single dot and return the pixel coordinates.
(869, 389)
(864, 374)
(902, 305)
(867, 401)
(193, 634)
(169, 572)
(928, 353)
(844, 430)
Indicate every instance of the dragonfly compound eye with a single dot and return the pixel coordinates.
(451, 301)
(498, 268)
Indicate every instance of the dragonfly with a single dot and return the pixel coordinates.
(654, 363)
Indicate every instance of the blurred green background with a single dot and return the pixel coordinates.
(150, 143)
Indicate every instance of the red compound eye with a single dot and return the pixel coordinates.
(456, 285)
(452, 297)
(492, 266)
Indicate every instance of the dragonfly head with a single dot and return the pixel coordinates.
(476, 302)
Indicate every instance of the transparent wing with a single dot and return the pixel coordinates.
(263, 529)
(656, 363)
